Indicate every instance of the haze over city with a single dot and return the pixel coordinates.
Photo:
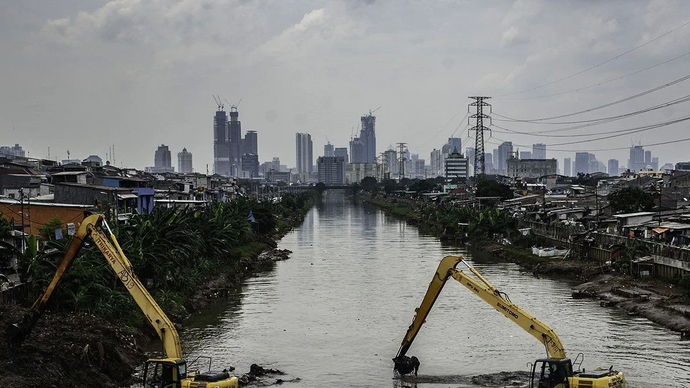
(86, 75)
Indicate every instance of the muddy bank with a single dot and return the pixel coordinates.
(502, 379)
(69, 350)
(220, 285)
(654, 299)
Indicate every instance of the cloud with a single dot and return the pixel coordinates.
(513, 37)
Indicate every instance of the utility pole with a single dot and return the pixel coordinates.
(21, 198)
(479, 169)
(401, 169)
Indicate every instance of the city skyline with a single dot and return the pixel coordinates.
(303, 67)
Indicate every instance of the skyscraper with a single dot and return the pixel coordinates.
(368, 137)
(647, 158)
(305, 157)
(234, 142)
(505, 150)
(251, 143)
(162, 157)
(454, 143)
(613, 167)
(221, 148)
(566, 166)
(581, 163)
(331, 170)
(636, 161)
(342, 152)
(539, 151)
(328, 149)
(184, 161)
(526, 155)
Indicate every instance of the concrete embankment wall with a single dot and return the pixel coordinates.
(669, 261)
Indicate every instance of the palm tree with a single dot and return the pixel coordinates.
(624, 254)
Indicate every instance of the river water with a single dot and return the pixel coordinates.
(333, 315)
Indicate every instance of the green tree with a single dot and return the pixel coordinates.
(47, 231)
(369, 184)
(630, 200)
(486, 188)
(623, 255)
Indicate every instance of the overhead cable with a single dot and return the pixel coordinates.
(597, 65)
(679, 80)
(598, 83)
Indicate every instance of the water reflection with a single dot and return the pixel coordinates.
(334, 314)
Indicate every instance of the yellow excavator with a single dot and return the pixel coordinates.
(554, 371)
(169, 372)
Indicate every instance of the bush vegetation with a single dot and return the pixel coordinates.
(172, 252)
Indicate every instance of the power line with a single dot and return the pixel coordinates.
(599, 83)
(601, 149)
(597, 65)
(679, 80)
(602, 121)
(624, 132)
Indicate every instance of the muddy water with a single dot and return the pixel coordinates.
(334, 314)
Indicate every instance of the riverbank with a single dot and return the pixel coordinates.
(657, 300)
(78, 349)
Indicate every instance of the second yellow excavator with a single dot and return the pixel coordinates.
(169, 372)
(555, 371)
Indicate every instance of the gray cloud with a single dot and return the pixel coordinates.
(138, 73)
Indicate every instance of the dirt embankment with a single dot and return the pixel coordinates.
(68, 350)
(654, 299)
(78, 350)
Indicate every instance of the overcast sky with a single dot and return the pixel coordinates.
(85, 74)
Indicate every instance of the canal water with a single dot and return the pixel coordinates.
(333, 315)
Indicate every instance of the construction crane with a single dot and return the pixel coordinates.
(371, 112)
(234, 106)
(218, 102)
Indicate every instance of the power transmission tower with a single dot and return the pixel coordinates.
(401, 169)
(479, 128)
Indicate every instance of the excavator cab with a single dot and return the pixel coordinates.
(164, 373)
(551, 373)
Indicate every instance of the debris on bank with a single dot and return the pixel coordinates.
(68, 350)
(515, 379)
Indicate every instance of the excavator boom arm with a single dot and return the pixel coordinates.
(95, 227)
(490, 295)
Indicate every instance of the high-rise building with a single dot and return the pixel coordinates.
(184, 161)
(234, 142)
(539, 151)
(221, 148)
(582, 162)
(435, 160)
(566, 166)
(655, 163)
(526, 155)
(162, 157)
(636, 161)
(12, 151)
(328, 149)
(342, 153)
(357, 151)
(505, 150)
(531, 168)
(647, 158)
(391, 164)
(368, 137)
(489, 162)
(305, 158)
(250, 165)
(455, 166)
(613, 167)
(331, 170)
(250, 143)
(454, 143)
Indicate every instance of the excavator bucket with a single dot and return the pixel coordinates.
(406, 365)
